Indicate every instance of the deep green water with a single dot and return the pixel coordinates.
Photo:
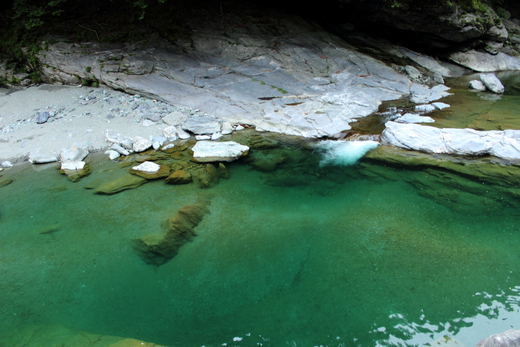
(307, 256)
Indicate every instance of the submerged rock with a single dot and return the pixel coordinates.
(207, 176)
(159, 249)
(179, 177)
(119, 184)
(49, 229)
(5, 182)
(75, 170)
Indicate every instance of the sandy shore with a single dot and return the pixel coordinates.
(75, 120)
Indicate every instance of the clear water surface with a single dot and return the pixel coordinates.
(305, 255)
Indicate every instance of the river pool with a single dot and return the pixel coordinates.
(303, 255)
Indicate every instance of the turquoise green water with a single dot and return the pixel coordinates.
(303, 256)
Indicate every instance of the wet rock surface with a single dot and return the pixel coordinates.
(159, 249)
(503, 144)
(509, 338)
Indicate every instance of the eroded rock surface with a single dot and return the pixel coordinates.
(285, 75)
(159, 249)
(503, 144)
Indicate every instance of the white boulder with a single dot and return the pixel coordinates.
(440, 105)
(492, 83)
(37, 158)
(183, 135)
(209, 151)
(113, 154)
(503, 144)
(425, 108)
(73, 154)
(477, 85)
(414, 118)
(72, 165)
(147, 166)
(141, 144)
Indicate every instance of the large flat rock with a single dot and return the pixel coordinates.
(209, 151)
(503, 144)
(295, 79)
(484, 62)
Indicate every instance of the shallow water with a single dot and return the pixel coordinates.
(302, 256)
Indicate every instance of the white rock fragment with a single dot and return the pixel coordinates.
(147, 122)
(425, 108)
(477, 85)
(168, 146)
(119, 149)
(414, 118)
(147, 166)
(492, 83)
(72, 165)
(227, 128)
(6, 164)
(239, 127)
(202, 137)
(117, 138)
(38, 158)
(422, 94)
(174, 118)
(209, 151)
(216, 136)
(141, 144)
(113, 154)
(440, 105)
(170, 133)
(73, 154)
(183, 135)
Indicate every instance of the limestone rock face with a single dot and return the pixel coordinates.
(209, 151)
(503, 144)
(483, 62)
(234, 79)
(509, 338)
(159, 249)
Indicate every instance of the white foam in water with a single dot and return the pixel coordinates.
(344, 152)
